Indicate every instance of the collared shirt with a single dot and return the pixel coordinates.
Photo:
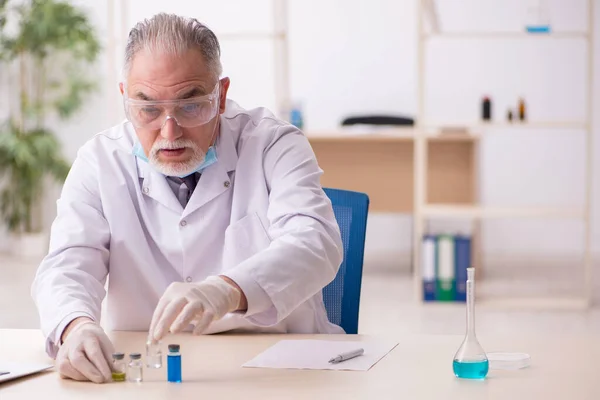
(180, 188)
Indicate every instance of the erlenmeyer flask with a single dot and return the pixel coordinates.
(470, 361)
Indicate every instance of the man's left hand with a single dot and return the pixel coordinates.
(193, 303)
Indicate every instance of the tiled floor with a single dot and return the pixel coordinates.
(17, 309)
(387, 306)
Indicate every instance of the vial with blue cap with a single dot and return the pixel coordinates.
(174, 364)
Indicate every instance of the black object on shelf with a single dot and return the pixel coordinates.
(486, 109)
(522, 113)
(378, 120)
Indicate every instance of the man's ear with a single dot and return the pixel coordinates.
(121, 88)
(225, 82)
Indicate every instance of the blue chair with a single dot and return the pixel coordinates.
(342, 295)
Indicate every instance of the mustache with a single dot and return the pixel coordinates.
(173, 145)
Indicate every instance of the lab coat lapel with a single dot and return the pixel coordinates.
(155, 185)
(217, 178)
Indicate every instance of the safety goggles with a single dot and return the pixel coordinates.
(188, 113)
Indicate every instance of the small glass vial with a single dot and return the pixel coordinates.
(153, 354)
(135, 371)
(174, 364)
(118, 372)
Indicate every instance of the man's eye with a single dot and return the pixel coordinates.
(150, 110)
(191, 107)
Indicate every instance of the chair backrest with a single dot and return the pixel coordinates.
(342, 295)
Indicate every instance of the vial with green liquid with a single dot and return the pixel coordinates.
(119, 367)
(470, 361)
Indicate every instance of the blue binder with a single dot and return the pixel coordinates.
(428, 262)
(462, 261)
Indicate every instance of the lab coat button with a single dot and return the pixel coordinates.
(188, 279)
(183, 223)
(146, 190)
(226, 184)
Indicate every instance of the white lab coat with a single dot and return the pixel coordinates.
(258, 215)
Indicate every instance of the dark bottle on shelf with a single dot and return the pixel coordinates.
(522, 113)
(486, 110)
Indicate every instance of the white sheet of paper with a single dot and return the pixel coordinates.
(315, 354)
(17, 370)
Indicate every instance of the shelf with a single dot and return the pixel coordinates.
(363, 134)
(506, 35)
(534, 303)
(533, 125)
(457, 211)
(517, 303)
(453, 137)
(383, 135)
(472, 131)
(557, 125)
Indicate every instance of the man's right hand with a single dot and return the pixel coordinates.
(86, 353)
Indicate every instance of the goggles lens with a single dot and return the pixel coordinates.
(187, 113)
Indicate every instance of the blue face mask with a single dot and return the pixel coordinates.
(209, 159)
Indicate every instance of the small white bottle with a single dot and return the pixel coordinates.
(153, 354)
(135, 372)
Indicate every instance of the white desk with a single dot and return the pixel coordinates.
(420, 367)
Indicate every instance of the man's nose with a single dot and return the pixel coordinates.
(170, 129)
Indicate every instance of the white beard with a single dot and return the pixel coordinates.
(175, 168)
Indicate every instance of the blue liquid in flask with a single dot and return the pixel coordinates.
(470, 361)
(470, 369)
(538, 28)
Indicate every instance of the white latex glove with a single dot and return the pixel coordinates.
(86, 354)
(193, 303)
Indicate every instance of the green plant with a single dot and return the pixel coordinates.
(48, 48)
(27, 158)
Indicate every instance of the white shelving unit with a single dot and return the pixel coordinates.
(448, 211)
(504, 35)
(424, 211)
(479, 126)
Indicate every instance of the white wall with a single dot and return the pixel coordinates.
(354, 56)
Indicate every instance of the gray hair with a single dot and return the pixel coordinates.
(173, 34)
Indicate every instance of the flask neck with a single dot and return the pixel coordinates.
(470, 308)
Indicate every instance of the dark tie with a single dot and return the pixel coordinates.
(190, 182)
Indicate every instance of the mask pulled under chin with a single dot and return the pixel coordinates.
(209, 159)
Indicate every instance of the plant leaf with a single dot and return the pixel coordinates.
(26, 158)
